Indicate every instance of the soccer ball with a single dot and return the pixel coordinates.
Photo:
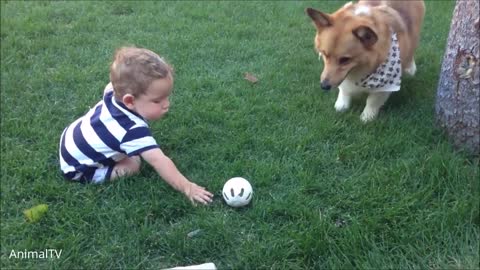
(237, 192)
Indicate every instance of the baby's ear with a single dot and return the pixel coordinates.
(320, 19)
(128, 100)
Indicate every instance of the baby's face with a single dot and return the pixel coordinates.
(155, 102)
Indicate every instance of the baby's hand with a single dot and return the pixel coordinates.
(197, 193)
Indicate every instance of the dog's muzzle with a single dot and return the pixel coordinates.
(325, 84)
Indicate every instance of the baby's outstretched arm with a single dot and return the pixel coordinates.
(169, 172)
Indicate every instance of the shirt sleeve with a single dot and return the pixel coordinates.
(138, 140)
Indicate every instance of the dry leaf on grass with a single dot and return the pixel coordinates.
(250, 77)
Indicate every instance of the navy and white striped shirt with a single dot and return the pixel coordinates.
(108, 133)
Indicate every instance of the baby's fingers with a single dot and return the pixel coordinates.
(203, 198)
(208, 194)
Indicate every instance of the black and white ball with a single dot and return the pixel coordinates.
(237, 192)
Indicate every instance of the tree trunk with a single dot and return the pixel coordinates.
(458, 94)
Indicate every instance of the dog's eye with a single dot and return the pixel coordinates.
(344, 60)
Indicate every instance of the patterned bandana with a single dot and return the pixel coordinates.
(387, 77)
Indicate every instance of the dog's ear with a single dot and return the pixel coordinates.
(320, 19)
(366, 35)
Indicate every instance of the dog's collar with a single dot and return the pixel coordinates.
(387, 77)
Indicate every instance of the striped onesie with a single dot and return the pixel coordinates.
(92, 145)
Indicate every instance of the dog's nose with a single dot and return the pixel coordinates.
(325, 85)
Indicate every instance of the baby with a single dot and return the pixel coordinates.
(109, 140)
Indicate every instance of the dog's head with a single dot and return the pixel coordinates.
(347, 42)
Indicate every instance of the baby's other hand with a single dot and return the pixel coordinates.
(197, 193)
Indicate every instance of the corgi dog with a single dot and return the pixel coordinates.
(366, 46)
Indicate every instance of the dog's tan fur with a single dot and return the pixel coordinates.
(355, 40)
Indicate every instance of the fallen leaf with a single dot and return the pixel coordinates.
(35, 213)
(250, 77)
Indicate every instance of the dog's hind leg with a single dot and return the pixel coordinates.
(412, 68)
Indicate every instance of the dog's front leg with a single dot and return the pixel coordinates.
(374, 102)
(343, 100)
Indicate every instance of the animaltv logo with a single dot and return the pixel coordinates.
(36, 254)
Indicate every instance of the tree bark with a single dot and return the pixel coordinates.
(458, 93)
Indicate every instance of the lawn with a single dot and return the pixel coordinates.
(330, 192)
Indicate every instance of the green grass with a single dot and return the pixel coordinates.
(330, 192)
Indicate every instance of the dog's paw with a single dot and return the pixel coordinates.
(368, 115)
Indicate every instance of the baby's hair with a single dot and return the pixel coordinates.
(134, 69)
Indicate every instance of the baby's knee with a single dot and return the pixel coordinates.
(131, 164)
(127, 167)
(136, 163)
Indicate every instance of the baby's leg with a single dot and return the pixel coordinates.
(126, 167)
